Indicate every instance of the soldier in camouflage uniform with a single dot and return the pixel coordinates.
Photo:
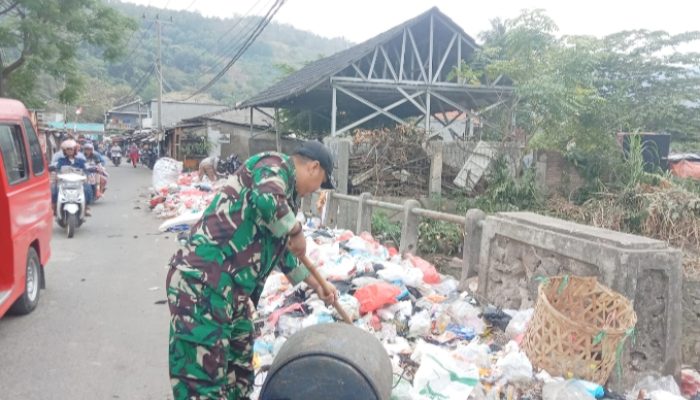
(249, 228)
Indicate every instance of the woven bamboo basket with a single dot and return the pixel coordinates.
(578, 328)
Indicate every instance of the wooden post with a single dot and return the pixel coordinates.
(364, 214)
(409, 228)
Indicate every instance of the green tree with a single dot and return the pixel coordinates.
(574, 93)
(44, 36)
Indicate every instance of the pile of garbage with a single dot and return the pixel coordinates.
(443, 343)
(175, 193)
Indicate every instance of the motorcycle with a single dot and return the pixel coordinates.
(116, 156)
(70, 204)
(149, 158)
(228, 166)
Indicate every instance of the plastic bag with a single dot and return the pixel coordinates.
(376, 296)
(430, 274)
(288, 325)
(462, 312)
(664, 395)
(447, 287)
(565, 390)
(474, 353)
(350, 305)
(440, 376)
(515, 367)
(518, 324)
(365, 281)
(654, 383)
(419, 325)
(690, 382)
(395, 272)
(341, 270)
(166, 171)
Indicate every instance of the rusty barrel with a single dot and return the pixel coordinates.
(330, 361)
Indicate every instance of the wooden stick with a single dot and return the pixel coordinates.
(324, 286)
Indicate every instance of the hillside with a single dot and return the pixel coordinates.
(194, 49)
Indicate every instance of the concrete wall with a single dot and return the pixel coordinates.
(553, 174)
(518, 247)
(691, 323)
(174, 112)
(238, 143)
(267, 142)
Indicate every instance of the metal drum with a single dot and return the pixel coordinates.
(330, 361)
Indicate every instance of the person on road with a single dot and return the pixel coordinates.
(208, 167)
(134, 154)
(93, 157)
(249, 228)
(69, 159)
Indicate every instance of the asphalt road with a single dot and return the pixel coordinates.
(98, 332)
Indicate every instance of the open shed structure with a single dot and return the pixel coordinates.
(403, 75)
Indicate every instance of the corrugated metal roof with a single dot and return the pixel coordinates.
(309, 77)
(237, 116)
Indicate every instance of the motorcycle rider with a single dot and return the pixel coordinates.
(91, 156)
(70, 159)
(114, 150)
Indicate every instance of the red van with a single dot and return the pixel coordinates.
(25, 210)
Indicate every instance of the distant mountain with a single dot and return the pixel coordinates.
(194, 49)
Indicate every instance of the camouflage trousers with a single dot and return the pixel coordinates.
(211, 340)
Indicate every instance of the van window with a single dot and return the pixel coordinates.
(35, 152)
(14, 155)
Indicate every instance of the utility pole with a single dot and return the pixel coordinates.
(140, 116)
(159, 66)
(160, 91)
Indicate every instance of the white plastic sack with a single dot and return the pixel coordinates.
(440, 376)
(653, 383)
(447, 285)
(474, 353)
(165, 172)
(396, 272)
(565, 390)
(664, 395)
(515, 367)
(518, 324)
(419, 324)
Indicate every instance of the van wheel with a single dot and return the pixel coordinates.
(71, 224)
(30, 298)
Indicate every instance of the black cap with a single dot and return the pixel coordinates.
(318, 152)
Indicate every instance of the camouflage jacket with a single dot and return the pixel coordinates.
(243, 233)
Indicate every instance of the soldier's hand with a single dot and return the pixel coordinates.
(328, 298)
(297, 244)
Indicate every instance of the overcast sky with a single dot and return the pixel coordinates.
(358, 20)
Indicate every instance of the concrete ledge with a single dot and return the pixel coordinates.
(518, 247)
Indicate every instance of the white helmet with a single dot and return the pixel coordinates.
(69, 144)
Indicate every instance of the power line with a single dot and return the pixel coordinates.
(235, 43)
(190, 6)
(234, 26)
(139, 85)
(140, 42)
(250, 40)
